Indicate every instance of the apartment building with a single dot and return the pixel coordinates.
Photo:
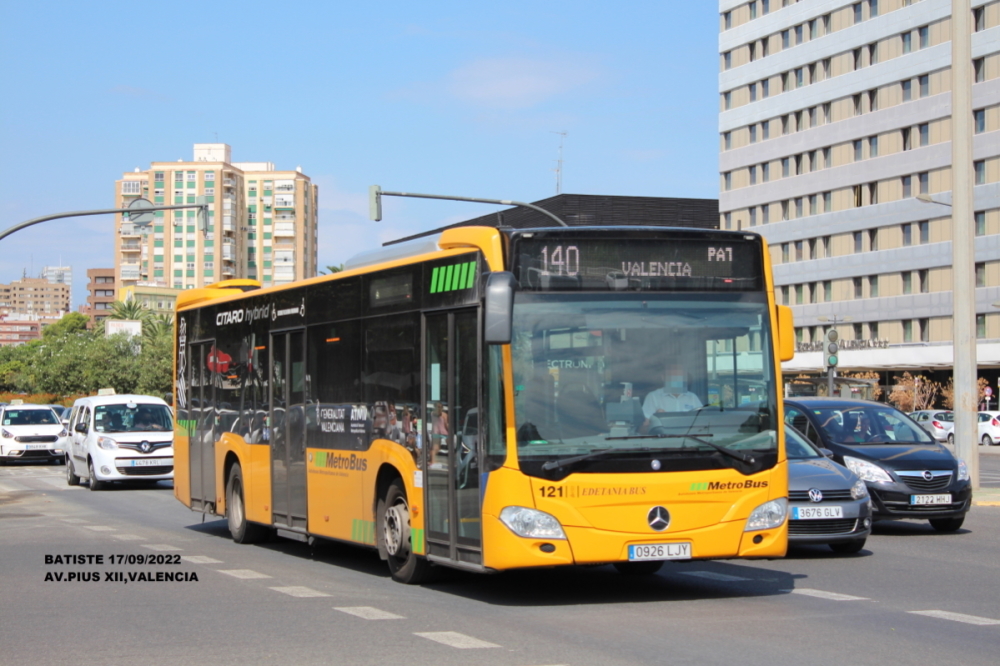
(262, 223)
(101, 294)
(34, 299)
(19, 332)
(834, 116)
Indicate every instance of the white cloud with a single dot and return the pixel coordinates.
(518, 82)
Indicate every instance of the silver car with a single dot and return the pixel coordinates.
(828, 503)
(939, 423)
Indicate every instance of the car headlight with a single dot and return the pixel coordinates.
(107, 443)
(6, 433)
(866, 470)
(768, 515)
(859, 490)
(531, 523)
(963, 471)
(64, 433)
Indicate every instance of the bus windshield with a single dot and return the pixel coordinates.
(643, 382)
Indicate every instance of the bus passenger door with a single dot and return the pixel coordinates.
(451, 430)
(287, 426)
(201, 438)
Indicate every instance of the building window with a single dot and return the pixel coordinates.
(872, 8)
(907, 86)
(786, 39)
(727, 140)
(827, 158)
(925, 85)
(784, 253)
(828, 291)
(753, 217)
(980, 168)
(727, 100)
(858, 108)
(925, 232)
(924, 180)
(765, 214)
(858, 328)
(785, 167)
(729, 220)
(827, 202)
(980, 326)
(922, 277)
(798, 34)
(728, 178)
(799, 256)
(753, 92)
(873, 54)
(859, 242)
(980, 275)
(765, 171)
(873, 100)
(728, 20)
(873, 146)
(872, 193)
(873, 240)
(753, 175)
(907, 234)
(753, 134)
(857, 14)
(765, 129)
(858, 200)
(813, 204)
(979, 117)
(907, 186)
(979, 19)
(858, 150)
(858, 62)
(907, 330)
(907, 42)
(813, 29)
(907, 143)
(727, 59)
(980, 223)
(753, 10)
(979, 68)
(873, 286)
(799, 77)
(785, 299)
(907, 282)
(925, 134)
(925, 330)
(798, 294)
(132, 187)
(858, 288)
(798, 207)
(924, 36)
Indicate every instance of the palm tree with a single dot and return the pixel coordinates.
(332, 269)
(157, 324)
(130, 311)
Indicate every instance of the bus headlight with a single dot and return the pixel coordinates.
(107, 443)
(768, 515)
(531, 523)
(859, 490)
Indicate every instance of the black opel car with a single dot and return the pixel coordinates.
(909, 475)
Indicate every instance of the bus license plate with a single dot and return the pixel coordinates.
(660, 551)
(817, 512)
(150, 462)
(931, 499)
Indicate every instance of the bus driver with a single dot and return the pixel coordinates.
(672, 397)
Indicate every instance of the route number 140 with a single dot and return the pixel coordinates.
(561, 261)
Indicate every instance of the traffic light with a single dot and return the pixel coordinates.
(831, 348)
(375, 203)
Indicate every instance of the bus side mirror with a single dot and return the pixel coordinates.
(786, 334)
(497, 329)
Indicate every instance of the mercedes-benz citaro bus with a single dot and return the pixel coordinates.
(491, 399)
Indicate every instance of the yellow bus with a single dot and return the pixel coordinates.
(490, 399)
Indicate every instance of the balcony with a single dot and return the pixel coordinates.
(130, 272)
(229, 182)
(131, 247)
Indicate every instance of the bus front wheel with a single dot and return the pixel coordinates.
(393, 523)
(242, 530)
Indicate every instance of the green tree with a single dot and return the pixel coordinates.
(158, 324)
(130, 310)
(72, 322)
(332, 269)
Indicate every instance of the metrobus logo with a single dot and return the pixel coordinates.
(453, 278)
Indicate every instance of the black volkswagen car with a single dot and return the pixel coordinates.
(909, 475)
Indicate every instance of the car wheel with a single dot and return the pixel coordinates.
(951, 438)
(947, 524)
(393, 523)
(986, 441)
(95, 484)
(240, 528)
(847, 547)
(638, 568)
(71, 478)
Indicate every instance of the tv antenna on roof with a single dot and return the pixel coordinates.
(559, 162)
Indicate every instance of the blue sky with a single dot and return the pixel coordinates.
(438, 97)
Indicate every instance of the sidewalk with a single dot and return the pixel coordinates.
(986, 497)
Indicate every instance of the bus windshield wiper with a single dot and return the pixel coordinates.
(562, 462)
(718, 447)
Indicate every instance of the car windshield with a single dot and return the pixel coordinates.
(798, 447)
(864, 424)
(132, 417)
(22, 417)
(674, 376)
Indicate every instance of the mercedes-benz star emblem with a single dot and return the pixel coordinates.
(659, 518)
(927, 476)
(145, 447)
(815, 495)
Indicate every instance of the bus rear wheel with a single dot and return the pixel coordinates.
(240, 528)
(393, 523)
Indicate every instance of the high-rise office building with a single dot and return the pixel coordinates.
(834, 116)
(59, 275)
(261, 223)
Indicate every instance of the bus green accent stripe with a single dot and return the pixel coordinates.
(447, 277)
(320, 458)
(187, 426)
(417, 541)
(436, 280)
(459, 277)
(472, 275)
(363, 531)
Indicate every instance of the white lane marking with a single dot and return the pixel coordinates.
(242, 573)
(128, 537)
(160, 546)
(300, 591)
(956, 617)
(455, 639)
(73, 521)
(369, 613)
(820, 594)
(711, 575)
(99, 528)
(200, 559)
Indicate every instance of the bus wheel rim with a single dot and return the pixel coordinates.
(395, 529)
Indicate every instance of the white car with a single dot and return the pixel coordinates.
(31, 432)
(120, 438)
(989, 428)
